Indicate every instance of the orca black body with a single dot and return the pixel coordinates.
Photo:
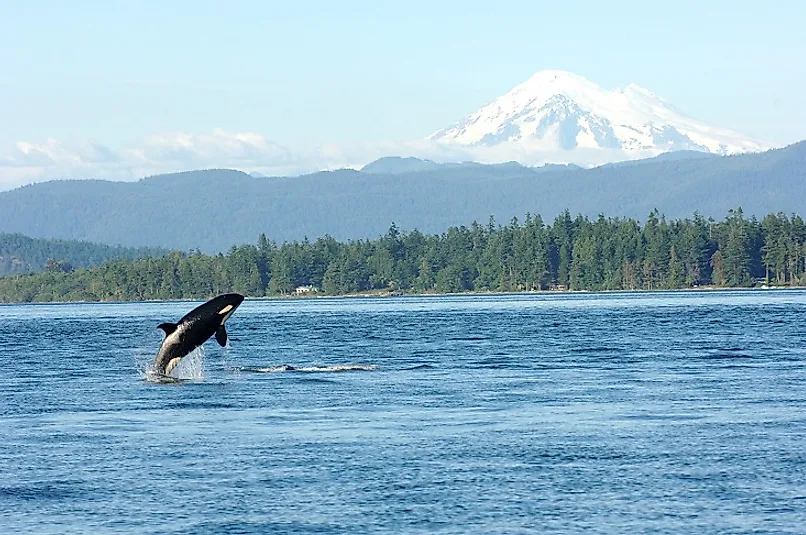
(195, 328)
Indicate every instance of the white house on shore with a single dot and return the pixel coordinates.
(304, 290)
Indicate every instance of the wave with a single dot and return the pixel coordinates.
(56, 490)
(418, 367)
(728, 353)
(310, 369)
(729, 356)
(154, 377)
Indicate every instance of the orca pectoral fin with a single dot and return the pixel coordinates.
(167, 327)
(221, 336)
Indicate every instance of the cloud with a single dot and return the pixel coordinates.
(240, 149)
(52, 159)
(28, 162)
(359, 154)
(250, 152)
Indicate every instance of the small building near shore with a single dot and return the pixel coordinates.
(305, 290)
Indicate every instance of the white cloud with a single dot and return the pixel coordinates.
(357, 155)
(239, 149)
(29, 162)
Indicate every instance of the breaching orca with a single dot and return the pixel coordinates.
(193, 330)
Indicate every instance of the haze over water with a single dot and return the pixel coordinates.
(679, 412)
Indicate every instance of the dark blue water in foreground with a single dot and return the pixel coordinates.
(619, 413)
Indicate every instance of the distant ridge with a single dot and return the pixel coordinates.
(396, 165)
(22, 254)
(214, 210)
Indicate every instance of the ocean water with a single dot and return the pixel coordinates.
(678, 412)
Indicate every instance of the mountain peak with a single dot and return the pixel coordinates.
(636, 89)
(556, 113)
(556, 77)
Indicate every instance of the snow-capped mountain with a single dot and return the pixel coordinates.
(565, 115)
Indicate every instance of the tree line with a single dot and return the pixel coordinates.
(570, 253)
(22, 254)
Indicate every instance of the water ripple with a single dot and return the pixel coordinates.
(677, 412)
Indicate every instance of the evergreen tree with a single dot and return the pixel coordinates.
(606, 253)
(736, 254)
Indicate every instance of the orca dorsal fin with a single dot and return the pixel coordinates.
(221, 336)
(167, 327)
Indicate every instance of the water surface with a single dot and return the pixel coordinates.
(679, 412)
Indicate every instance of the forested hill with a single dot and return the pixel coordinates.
(21, 254)
(214, 210)
(570, 253)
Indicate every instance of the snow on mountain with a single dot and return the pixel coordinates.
(560, 115)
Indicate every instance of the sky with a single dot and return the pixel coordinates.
(125, 89)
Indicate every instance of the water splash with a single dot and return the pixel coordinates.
(142, 362)
(190, 368)
(339, 368)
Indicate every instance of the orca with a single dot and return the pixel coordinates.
(195, 328)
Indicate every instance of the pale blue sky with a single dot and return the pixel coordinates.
(333, 72)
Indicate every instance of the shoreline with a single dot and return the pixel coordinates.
(390, 294)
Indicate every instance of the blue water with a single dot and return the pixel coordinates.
(678, 412)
